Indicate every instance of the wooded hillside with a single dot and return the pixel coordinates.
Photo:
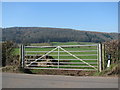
(39, 35)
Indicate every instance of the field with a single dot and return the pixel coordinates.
(17, 50)
(69, 57)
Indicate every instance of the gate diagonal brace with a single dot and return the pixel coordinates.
(65, 51)
(78, 58)
(42, 56)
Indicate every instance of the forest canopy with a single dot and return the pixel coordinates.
(40, 35)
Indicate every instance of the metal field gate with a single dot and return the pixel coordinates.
(65, 57)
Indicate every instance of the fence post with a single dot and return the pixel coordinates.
(103, 57)
(100, 57)
(58, 55)
(109, 60)
(22, 56)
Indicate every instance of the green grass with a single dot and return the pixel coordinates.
(71, 43)
(113, 70)
(17, 50)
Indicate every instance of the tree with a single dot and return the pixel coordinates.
(41, 35)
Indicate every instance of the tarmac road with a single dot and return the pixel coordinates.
(12, 80)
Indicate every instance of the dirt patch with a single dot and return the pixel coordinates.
(13, 69)
(63, 72)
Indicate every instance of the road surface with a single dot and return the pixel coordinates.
(12, 80)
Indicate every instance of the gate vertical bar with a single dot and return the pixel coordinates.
(97, 56)
(58, 55)
(100, 58)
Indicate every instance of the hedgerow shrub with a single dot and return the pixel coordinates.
(112, 48)
(7, 53)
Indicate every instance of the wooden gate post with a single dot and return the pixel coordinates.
(103, 56)
(22, 56)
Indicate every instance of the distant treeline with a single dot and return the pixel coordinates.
(40, 35)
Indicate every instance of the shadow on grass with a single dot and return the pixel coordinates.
(28, 71)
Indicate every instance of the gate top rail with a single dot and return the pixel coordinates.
(60, 46)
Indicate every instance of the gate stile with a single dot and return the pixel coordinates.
(35, 57)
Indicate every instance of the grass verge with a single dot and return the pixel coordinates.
(113, 70)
